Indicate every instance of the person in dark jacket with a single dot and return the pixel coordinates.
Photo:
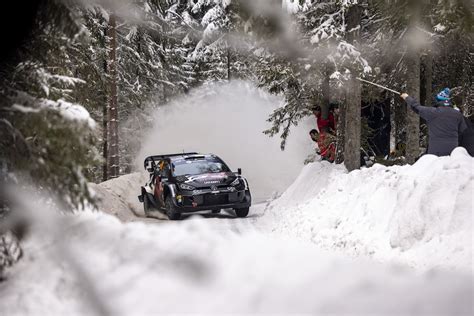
(445, 124)
(466, 139)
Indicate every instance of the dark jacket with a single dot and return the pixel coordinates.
(466, 139)
(445, 125)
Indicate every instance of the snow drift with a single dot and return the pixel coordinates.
(119, 196)
(228, 120)
(421, 215)
(95, 264)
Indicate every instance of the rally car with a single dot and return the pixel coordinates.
(191, 182)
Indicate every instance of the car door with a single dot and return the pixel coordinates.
(159, 185)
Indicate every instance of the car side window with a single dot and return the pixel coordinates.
(166, 172)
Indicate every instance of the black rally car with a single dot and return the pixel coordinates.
(191, 182)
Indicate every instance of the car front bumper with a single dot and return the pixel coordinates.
(188, 203)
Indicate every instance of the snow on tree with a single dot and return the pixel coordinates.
(327, 57)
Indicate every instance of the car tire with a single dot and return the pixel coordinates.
(170, 210)
(242, 212)
(146, 205)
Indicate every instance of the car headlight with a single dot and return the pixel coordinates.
(235, 182)
(185, 186)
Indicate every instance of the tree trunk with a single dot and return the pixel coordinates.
(112, 115)
(393, 127)
(326, 96)
(413, 83)
(104, 141)
(353, 124)
(104, 110)
(400, 114)
(340, 132)
(413, 120)
(427, 59)
(228, 63)
(352, 117)
(427, 78)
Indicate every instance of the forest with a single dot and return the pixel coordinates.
(112, 57)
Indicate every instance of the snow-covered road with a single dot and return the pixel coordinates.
(100, 265)
(378, 241)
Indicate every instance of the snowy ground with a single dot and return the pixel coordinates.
(376, 241)
(419, 215)
(119, 196)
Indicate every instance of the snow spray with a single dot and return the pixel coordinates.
(227, 119)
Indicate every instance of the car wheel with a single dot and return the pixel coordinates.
(146, 205)
(170, 211)
(241, 212)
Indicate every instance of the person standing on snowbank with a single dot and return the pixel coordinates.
(445, 124)
(466, 139)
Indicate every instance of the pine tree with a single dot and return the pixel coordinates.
(113, 165)
(322, 29)
(39, 95)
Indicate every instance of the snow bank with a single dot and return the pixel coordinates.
(119, 196)
(420, 215)
(96, 265)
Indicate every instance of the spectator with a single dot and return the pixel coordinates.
(327, 149)
(324, 125)
(445, 124)
(466, 139)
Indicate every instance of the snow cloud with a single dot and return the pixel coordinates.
(228, 120)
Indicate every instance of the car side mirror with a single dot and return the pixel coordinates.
(239, 171)
(151, 167)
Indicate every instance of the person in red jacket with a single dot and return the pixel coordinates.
(327, 130)
(324, 125)
(327, 150)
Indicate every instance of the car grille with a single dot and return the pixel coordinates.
(216, 186)
(211, 199)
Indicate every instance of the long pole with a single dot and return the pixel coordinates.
(377, 85)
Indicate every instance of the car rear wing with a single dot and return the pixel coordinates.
(150, 161)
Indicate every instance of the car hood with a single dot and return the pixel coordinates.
(208, 179)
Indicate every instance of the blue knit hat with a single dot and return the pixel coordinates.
(443, 97)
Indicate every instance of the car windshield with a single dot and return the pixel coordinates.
(194, 167)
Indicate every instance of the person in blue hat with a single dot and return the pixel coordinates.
(442, 98)
(445, 124)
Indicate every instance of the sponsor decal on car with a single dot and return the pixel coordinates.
(212, 182)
